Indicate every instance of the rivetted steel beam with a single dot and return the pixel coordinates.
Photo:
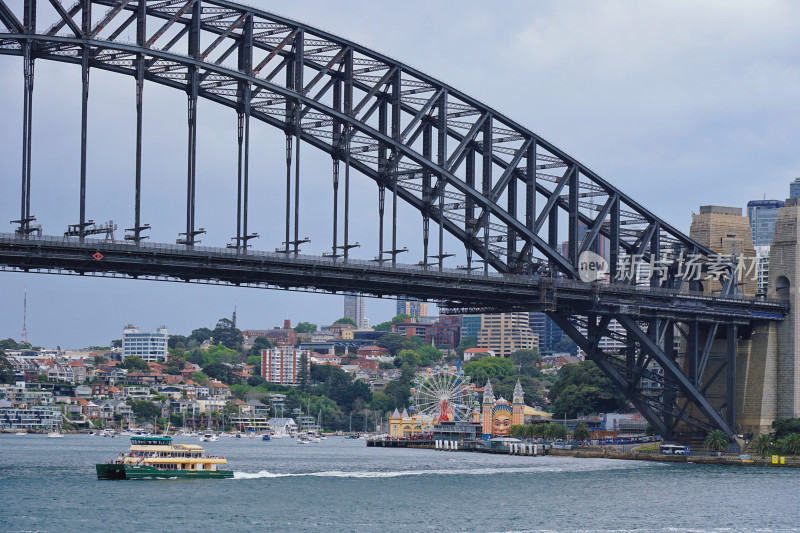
(8, 18)
(671, 369)
(486, 187)
(441, 160)
(347, 95)
(730, 374)
(86, 28)
(192, 90)
(591, 349)
(141, 37)
(297, 83)
(29, 17)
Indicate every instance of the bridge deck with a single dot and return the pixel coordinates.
(455, 289)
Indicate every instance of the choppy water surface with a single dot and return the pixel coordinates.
(341, 485)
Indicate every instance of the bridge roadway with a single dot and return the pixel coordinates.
(457, 290)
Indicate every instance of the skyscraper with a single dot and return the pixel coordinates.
(762, 215)
(794, 188)
(412, 307)
(547, 330)
(470, 327)
(354, 309)
(505, 333)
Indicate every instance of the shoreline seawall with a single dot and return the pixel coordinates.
(701, 459)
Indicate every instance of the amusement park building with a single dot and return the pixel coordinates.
(404, 426)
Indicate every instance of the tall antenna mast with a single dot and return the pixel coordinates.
(25, 316)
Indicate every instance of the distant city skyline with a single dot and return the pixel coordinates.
(676, 104)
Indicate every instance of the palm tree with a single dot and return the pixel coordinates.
(762, 444)
(718, 441)
(791, 443)
(581, 433)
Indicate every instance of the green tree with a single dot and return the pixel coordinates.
(762, 444)
(145, 410)
(9, 344)
(581, 433)
(345, 320)
(518, 431)
(220, 371)
(199, 377)
(305, 327)
(554, 431)
(200, 335)
(717, 440)
(7, 374)
(116, 343)
(227, 334)
(583, 388)
(199, 357)
(505, 388)
(408, 357)
(382, 402)
(486, 368)
(524, 357)
(392, 342)
(465, 344)
(134, 363)
(791, 443)
(175, 340)
(387, 326)
(785, 426)
(261, 343)
(303, 374)
(255, 381)
(429, 355)
(220, 353)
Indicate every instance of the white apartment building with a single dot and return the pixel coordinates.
(282, 364)
(151, 347)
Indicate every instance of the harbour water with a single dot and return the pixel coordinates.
(50, 485)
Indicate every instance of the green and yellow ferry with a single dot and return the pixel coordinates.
(159, 458)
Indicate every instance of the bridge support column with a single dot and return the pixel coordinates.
(784, 283)
(25, 217)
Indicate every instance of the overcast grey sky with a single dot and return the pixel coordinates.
(678, 104)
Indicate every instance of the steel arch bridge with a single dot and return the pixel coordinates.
(507, 195)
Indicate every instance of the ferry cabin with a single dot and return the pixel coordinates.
(160, 453)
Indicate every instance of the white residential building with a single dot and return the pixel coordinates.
(282, 364)
(152, 347)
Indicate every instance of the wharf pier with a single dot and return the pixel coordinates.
(508, 448)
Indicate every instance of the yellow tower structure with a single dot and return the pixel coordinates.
(488, 402)
(518, 406)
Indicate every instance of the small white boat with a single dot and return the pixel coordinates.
(55, 435)
(209, 437)
(302, 440)
(22, 432)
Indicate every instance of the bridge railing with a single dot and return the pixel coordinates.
(313, 260)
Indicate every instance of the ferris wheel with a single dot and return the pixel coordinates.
(445, 394)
